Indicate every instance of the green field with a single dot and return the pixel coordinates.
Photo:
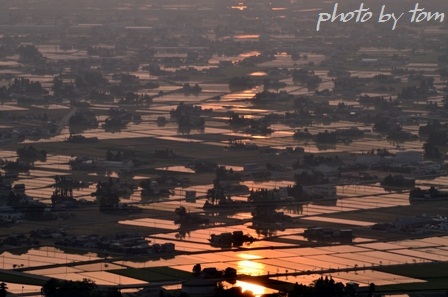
(435, 276)
(154, 274)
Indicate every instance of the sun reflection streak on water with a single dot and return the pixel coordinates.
(255, 289)
(248, 256)
(249, 267)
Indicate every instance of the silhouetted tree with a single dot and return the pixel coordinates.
(3, 289)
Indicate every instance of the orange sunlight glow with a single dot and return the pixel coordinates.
(255, 289)
(248, 256)
(250, 268)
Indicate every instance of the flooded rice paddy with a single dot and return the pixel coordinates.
(278, 253)
(289, 263)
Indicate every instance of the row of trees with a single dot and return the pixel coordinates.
(327, 287)
(84, 288)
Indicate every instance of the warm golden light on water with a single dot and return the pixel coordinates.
(258, 73)
(249, 256)
(250, 268)
(239, 7)
(255, 289)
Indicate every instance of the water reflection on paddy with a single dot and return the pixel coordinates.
(305, 264)
(7, 154)
(177, 169)
(151, 223)
(436, 251)
(62, 271)
(285, 60)
(240, 215)
(268, 244)
(256, 290)
(291, 265)
(368, 259)
(294, 238)
(252, 262)
(267, 184)
(303, 279)
(58, 162)
(249, 267)
(359, 146)
(197, 240)
(335, 262)
(214, 88)
(25, 289)
(343, 248)
(11, 107)
(180, 139)
(381, 246)
(182, 262)
(102, 278)
(339, 221)
(331, 257)
(51, 106)
(180, 97)
(419, 243)
(204, 233)
(383, 257)
(436, 241)
(217, 265)
(212, 258)
(98, 266)
(189, 247)
(363, 278)
(42, 256)
(422, 255)
(241, 95)
(10, 261)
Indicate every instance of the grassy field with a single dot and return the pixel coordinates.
(435, 276)
(154, 274)
(20, 278)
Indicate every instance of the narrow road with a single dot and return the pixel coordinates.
(64, 121)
